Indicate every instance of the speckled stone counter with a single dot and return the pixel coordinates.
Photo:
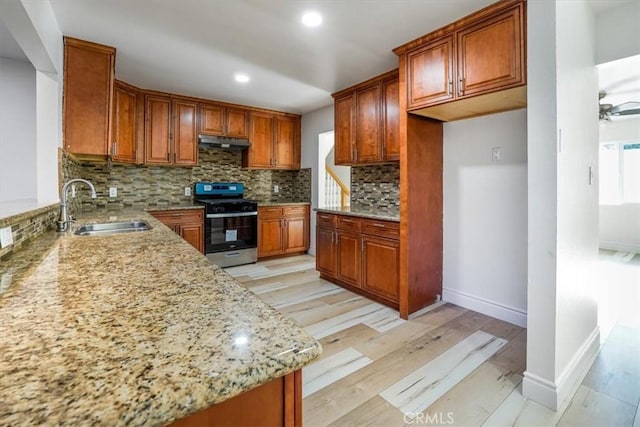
(362, 212)
(131, 329)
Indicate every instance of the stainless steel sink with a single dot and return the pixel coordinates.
(101, 229)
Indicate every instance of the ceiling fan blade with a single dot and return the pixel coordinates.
(626, 109)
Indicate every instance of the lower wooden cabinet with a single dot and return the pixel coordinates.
(360, 254)
(188, 223)
(276, 403)
(283, 230)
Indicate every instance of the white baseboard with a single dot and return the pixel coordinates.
(620, 247)
(484, 306)
(557, 395)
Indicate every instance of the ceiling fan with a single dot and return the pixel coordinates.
(609, 110)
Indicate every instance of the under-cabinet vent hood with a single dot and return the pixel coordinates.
(211, 141)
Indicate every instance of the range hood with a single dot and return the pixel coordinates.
(212, 141)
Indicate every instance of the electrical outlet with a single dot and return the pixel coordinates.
(187, 191)
(276, 188)
(6, 238)
(113, 192)
(496, 154)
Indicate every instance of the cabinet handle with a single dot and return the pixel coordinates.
(348, 220)
(461, 86)
(379, 225)
(450, 87)
(168, 157)
(114, 149)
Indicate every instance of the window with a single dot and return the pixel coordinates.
(619, 173)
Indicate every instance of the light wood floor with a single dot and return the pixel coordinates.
(448, 366)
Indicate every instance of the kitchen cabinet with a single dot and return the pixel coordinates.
(170, 131)
(275, 142)
(360, 254)
(474, 66)
(219, 120)
(276, 403)
(367, 121)
(283, 230)
(127, 113)
(88, 97)
(187, 223)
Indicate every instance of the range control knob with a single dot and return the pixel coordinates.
(246, 208)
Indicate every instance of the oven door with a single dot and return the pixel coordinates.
(230, 231)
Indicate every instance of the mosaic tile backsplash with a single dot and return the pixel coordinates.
(27, 226)
(155, 186)
(376, 186)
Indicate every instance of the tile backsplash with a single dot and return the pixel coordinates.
(157, 186)
(376, 186)
(27, 226)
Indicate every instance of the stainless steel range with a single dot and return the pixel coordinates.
(230, 224)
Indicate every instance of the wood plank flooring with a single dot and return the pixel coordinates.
(448, 366)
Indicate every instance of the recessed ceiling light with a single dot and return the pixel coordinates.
(241, 77)
(311, 19)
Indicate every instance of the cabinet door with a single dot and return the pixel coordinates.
(88, 87)
(123, 146)
(349, 255)
(193, 233)
(185, 133)
(296, 234)
(157, 135)
(430, 73)
(391, 110)
(212, 119)
(344, 130)
(381, 266)
(368, 118)
(326, 251)
(490, 54)
(237, 123)
(270, 237)
(287, 143)
(261, 137)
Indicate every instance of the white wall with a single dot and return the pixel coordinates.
(562, 336)
(620, 224)
(485, 215)
(34, 27)
(618, 32)
(313, 124)
(17, 130)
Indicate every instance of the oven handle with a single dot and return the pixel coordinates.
(232, 215)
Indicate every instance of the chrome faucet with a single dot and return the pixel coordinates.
(64, 219)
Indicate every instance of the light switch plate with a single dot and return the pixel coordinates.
(6, 238)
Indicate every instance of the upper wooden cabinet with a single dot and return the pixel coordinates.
(170, 131)
(128, 112)
(275, 142)
(367, 121)
(223, 121)
(88, 96)
(475, 66)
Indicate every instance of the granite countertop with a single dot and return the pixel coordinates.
(131, 329)
(173, 207)
(365, 212)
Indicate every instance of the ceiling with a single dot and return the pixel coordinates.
(621, 80)
(194, 47)
(8, 46)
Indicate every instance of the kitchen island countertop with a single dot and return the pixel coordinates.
(137, 329)
(364, 212)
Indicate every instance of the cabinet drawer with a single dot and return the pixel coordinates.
(348, 223)
(179, 217)
(295, 210)
(326, 220)
(388, 229)
(270, 212)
